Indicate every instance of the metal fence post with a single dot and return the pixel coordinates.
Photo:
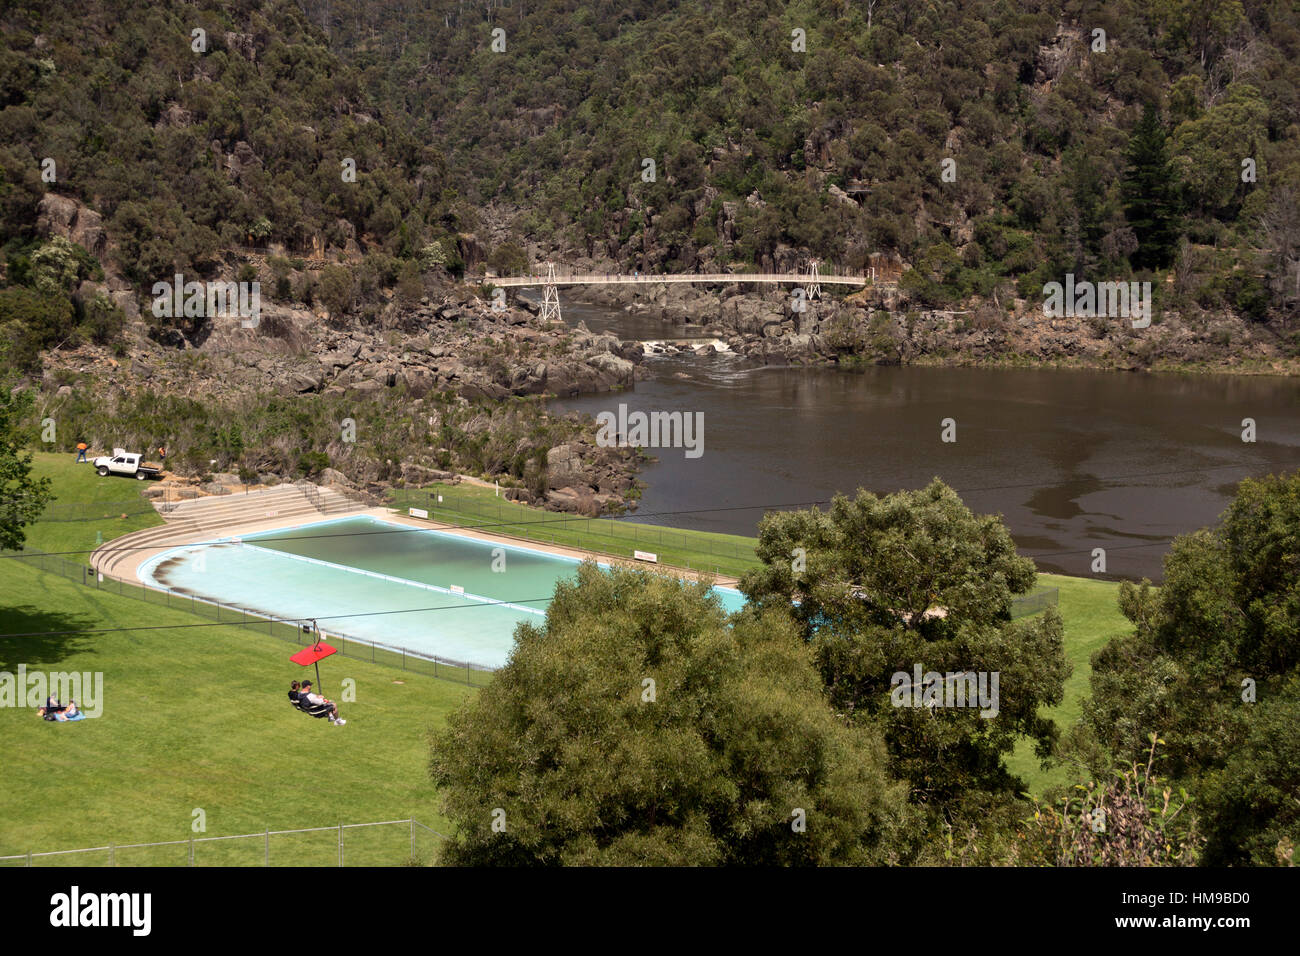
(340, 844)
(112, 854)
(412, 838)
(191, 848)
(268, 846)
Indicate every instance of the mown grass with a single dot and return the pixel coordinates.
(473, 506)
(98, 505)
(1091, 613)
(195, 718)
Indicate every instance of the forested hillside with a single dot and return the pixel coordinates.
(839, 151)
(983, 148)
(188, 145)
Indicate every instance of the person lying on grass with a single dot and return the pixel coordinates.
(58, 713)
(316, 700)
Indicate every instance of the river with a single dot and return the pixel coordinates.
(1073, 460)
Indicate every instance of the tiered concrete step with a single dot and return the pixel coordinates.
(218, 514)
(109, 557)
(205, 519)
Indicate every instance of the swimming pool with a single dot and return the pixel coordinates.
(461, 597)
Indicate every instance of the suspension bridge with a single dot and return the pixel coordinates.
(550, 281)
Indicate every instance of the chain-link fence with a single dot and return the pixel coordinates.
(1035, 602)
(290, 631)
(384, 843)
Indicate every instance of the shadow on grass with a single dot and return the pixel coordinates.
(42, 648)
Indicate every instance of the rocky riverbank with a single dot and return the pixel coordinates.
(432, 389)
(876, 326)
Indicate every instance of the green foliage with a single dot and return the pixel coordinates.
(311, 463)
(879, 585)
(30, 322)
(22, 496)
(1150, 198)
(578, 760)
(266, 433)
(1133, 819)
(1221, 629)
(508, 259)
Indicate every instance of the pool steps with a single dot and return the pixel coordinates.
(204, 519)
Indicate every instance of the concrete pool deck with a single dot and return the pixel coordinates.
(128, 566)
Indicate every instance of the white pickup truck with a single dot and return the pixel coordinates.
(122, 462)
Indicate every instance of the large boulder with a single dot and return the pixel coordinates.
(63, 216)
(564, 466)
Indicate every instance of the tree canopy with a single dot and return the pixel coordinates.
(882, 585)
(638, 726)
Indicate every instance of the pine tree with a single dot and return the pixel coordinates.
(1150, 194)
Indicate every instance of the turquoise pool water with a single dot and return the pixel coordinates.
(461, 598)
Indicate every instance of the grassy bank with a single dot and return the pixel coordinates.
(472, 506)
(87, 509)
(1092, 618)
(195, 716)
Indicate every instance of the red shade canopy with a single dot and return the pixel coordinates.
(310, 655)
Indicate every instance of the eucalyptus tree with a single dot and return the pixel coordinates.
(637, 725)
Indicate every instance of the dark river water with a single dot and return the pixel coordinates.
(1073, 460)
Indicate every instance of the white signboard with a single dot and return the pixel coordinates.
(419, 513)
(457, 589)
(645, 556)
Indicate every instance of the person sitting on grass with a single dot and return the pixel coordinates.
(52, 706)
(316, 700)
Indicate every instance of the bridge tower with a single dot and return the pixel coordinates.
(550, 296)
(813, 290)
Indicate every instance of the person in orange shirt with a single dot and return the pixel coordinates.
(81, 451)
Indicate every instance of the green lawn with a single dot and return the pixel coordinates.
(1092, 618)
(197, 718)
(96, 503)
(469, 505)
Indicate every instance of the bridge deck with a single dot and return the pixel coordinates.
(507, 282)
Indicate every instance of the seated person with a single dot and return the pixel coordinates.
(320, 706)
(71, 710)
(52, 705)
(293, 692)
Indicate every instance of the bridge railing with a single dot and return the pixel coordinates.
(607, 278)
